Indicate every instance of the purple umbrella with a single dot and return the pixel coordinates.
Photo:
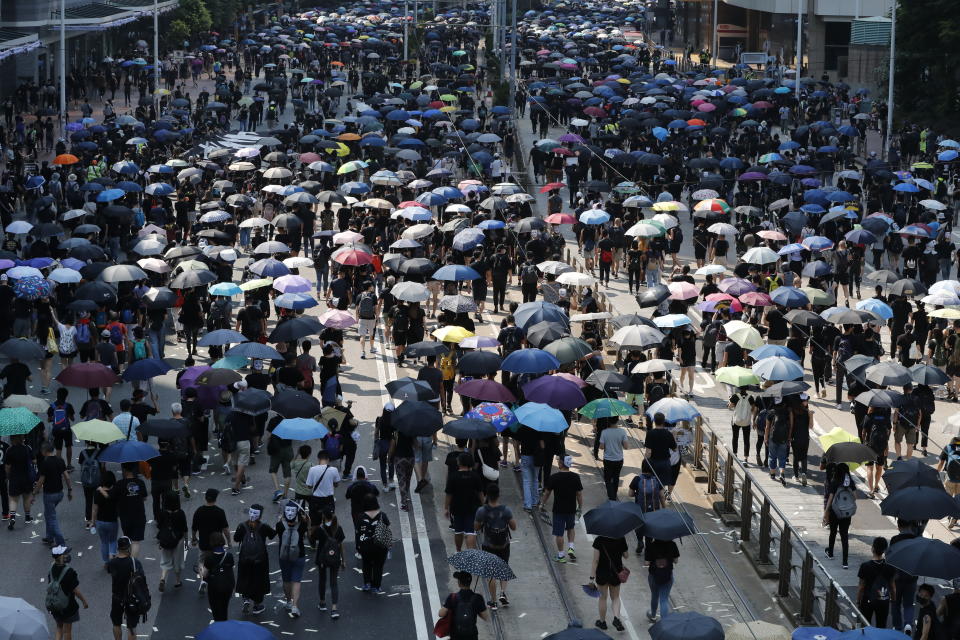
(571, 137)
(486, 390)
(753, 175)
(208, 397)
(736, 286)
(559, 393)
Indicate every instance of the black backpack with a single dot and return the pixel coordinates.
(879, 588)
(511, 339)
(329, 553)
(136, 601)
(496, 529)
(166, 535)
(464, 621)
(879, 434)
(781, 427)
(253, 549)
(529, 274)
(657, 392)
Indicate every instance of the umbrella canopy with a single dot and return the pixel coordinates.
(417, 418)
(252, 402)
(889, 374)
(294, 329)
(128, 451)
(300, 429)
(496, 413)
(673, 409)
(426, 348)
(920, 503)
(910, 473)
(296, 404)
(165, 428)
(925, 557)
(87, 375)
(22, 349)
(529, 361)
(530, 313)
(606, 408)
(409, 389)
(479, 363)
(687, 625)
(20, 620)
(487, 390)
(97, 431)
(668, 524)
(235, 630)
(482, 564)
(469, 428)
(848, 452)
(556, 392)
(219, 337)
(569, 349)
(16, 421)
(608, 381)
(34, 404)
(614, 519)
(541, 417)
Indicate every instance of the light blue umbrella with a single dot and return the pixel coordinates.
(295, 301)
(769, 350)
(300, 429)
(230, 362)
(225, 289)
(673, 410)
(873, 633)
(455, 273)
(778, 368)
(541, 417)
(672, 321)
(109, 195)
(594, 216)
(468, 239)
(906, 187)
(221, 337)
(255, 350)
(817, 243)
(879, 307)
(815, 633)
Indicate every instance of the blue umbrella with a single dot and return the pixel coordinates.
(235, 630)
(860, 236)
(816, 269)
(145, 369)
(873, 633)
(947, 156)
(673, 410)
(109, 195)
(255, 350)
(465, 241)
(594, 216)
(815, 633)
(530, 313)
(878, 307)
(817, 243)
(906, 187)
(541, 417)
(456, 273)
(269, 268)
(492, 224)
(778, 368)
(128, 451)
(672, 321)
(295, 301)
(300, 429)
(220, 337)
(431, 199)
(769, 350)
(230, 362)
(687, 625)
(225, 289)
(530, 361)
(789, 297)
(35, 182)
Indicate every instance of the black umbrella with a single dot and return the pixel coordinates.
(804, 318)
(579, 633)
(850, 452)
(93, 270)
(907, 287)
(855, 365)
(218, 377)
(619, 322)
(653, 296)
(425, 348)
(526, 225)
(193, 278)
(880, 398)
(608, 381)
(925, 557)
(482, 564)
(295, 329)
(889, 374)
(928, 375)
(469, 429)
(410, 389)
(99, 292)
(417, 267)
(852, 316)
(614, 519)
(920, 503)
(22, 349)
(417, 418)
(83, 305)
(787, 388)
(667, 524)
(544, 332)
(296, 404)
(177, 253)
(159, 298)
(911, 473)
(164, 428)
(687, 625)
(252, 402)
(479, 363)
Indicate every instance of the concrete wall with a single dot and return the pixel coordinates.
(867, 65)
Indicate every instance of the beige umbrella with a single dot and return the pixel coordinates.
(757, 630)
(34, 404)
(743, 334)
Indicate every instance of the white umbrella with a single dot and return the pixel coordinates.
(710, 269)
(410, 292)
(74, 214)
(276, 173)
(241, 166)
(723, 229)
(149, 247)
(457, 208)
(760, 255)
(20, 620)
(637, 336)
(297, 261)
(418, 231)
(23, 271)
(666, 220)
(154, 264)
(62, 275)
(576, 279)
(246, 152)
(554, 266)
(254, 222)
(19, 226)
(347, 237)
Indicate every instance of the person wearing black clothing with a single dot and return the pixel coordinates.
(251, 322)
(928, 624)
(732, 355)
(608, 555)
(373, 555)
(660, 556)
(329, 529)
(464, 606)
(216, 570)
(68, 580)
(163, 471)
(841, 479)
(501, 268)
(876, 586)
(801, 420)
(207, 520)
(464, 495)
(131, 494)
(52, 478)
(901, 308)
(903, 604)
(120, 570)
(253, 568)
(657, 446)
(357, 494)
(843, 348)
(16, 374)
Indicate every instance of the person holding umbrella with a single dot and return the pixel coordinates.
(660, 556)
(950, 458)
(605, 574)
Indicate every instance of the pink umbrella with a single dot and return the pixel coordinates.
(580, 382)
(756, 299)
(560, 218)
(336, 319)
(353, 258)
(706, 107)
(770, 234)
(683, 290)
(307, 158)
(347, 237)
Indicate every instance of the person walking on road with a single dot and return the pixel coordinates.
(927, 624)
(106, 516)
(801, 421)
(840, 504)
(121, 570)
(742, 416)
(52, 479)
(495, 521)
(660, 556)
(292, 529)
(63, 591)
(131, 494)
(647, 492)
(216, 573)
(19, 466)
(465, 607)
(322, 479)
(171, 536)
(567, 491)
(464, 495)
(903, 602)
(207, 520)
(608, 556)
(776, 436)
(950, 459)
(876, 586)
(253, 570)
(613, 441)
(373, 550)
(328, 541)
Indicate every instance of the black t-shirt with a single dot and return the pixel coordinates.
(465, 595)
(529, 441)
(404, 446)
(219, 568)
(19, 458)
(241, 424)
(120, 570)
(249, 318)
(565, 485)
(106, 506)
(876, 577)
(15, 374)
(52, 468)
(464, 488)
(778, 326)
(206, 520)
(131, 494)
(163, 469)
(69, 581)
(657, 549)
(142, 412)
(659, 440)
(734, 354)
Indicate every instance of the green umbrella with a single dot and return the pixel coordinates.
(568, 349)
(737, 376)
(17, 421)
(605, 408)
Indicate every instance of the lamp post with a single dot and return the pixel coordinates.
(799, 47)
(156, 47)
(890, 71)
(63, 68)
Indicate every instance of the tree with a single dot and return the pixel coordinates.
(223, 14)
(177, 32)
(194, 15)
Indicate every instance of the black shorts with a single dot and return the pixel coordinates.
(479, 293)
(118, 615)
(503, 554)
(400, 338)
(72, 354)
(133, 528)
(63, 438)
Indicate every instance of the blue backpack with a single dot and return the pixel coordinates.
(83, 333)
(116, 334)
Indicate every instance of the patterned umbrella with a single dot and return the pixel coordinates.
(482, 564)
(17, 421)
(496, 413)
(31, 288)
(458, 304)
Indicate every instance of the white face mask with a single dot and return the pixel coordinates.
(290, 513)
(254, 514)
(327, 523)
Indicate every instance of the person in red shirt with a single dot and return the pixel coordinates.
(118, 337)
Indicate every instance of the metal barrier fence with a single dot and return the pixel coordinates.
(806, 591)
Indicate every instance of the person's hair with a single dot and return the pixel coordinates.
(176, 407)
(879, 545)
(322, 453)
(659, 419)
(305, 345)
(463, 578)
(94, 393)
(304, 451)
(62, 394)
(465, 459)
(131, 467)
(217, 539)
(360, 473)
(123, 543)
(47, 448)
(928, 588)
(124, 405)
(334, 523)
(431, 360)
(108, 479)
(493, 491)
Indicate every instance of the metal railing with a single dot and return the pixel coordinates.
(806, 590)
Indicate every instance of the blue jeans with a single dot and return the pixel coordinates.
(659, 596)
(778, 455)
(323, 278)
(244, 236)
(903, 609)
(108, 539)
(156, 342)
(113, 246)
(653, 277)
(528, 472)
(50, 502)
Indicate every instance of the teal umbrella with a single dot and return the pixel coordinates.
(17, 421)
(605, 408)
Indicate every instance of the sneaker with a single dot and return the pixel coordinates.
(322, 606)
(294, 612)
(10, 524)
(203, 587)
(803, 479)
(258, 609)
(491, 605)
(503, 600)
(28, 519)
(846, 566)
(617, 624)
(226, 470)
(839, 405)
(277, 495)
(783, 480)
(571, 555)
(908, 630)
(600, 624)
(365, 587)
(651, 616)
(234, 492)
(562, 559)
(376, 590)
(363, 355)
(373, 350)
(638, 551)
(334, 615)
(245, 607)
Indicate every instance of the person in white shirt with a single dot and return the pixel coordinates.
(322, 479)
(126, 421)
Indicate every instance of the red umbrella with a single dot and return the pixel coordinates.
(560, 218)
(353, 258)
(486, 390)
(595, 112)
(552, 186)
(563, 151)
(87, 375)
(307, 158)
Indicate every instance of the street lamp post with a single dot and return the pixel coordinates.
(406, 30)
(63, 68)
(799, 47)
(156, 47)
(890, 71)
(716, 39)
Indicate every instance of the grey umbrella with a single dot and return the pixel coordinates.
(22, 349)
(122, 273)
(193, 278)
(20, 620)
(687, 625)
(253, 402)
(458, 304)
(482, 564)
(907, 287)
(889, 374)
(568, 349)
(159, 298)
(928, 375)
(271, 247)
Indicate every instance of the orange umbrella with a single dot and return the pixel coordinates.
(348, 137)
(696, 121)
(65, 159)
(336, 63)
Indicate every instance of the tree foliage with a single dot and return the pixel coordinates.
(927, 50)
(194, 15)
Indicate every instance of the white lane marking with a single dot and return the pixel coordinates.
(413, 575)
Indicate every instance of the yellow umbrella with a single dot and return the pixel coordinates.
(245, 101)
(249, 285)
(350, 167)
(837, 436)
(342, 150)
(97, 431)
(737, 376)
(452, 333)
(448, 109)
(743, 334)
(949, 314)
(669, 205)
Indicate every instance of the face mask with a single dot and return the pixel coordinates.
(327, 523)
(921, 600)
(254, 514)
(290, 513)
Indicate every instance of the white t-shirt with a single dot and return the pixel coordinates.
(322, 488)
